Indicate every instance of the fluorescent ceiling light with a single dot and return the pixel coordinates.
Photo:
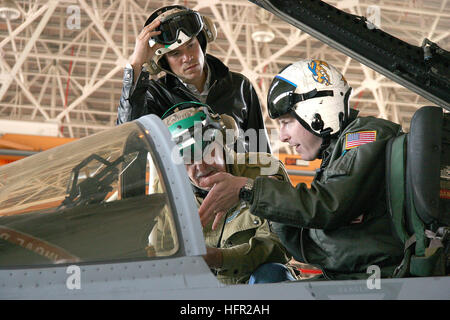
(8, 10)
(262, 33)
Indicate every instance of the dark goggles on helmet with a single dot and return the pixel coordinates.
(190, 22)
(282, 99)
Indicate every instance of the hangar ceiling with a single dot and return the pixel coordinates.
(61, 61)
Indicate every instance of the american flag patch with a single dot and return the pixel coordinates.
(357, 139)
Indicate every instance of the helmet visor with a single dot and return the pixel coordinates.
(189, 21)
(279, 100)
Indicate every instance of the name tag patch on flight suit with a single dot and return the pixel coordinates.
(235, 213)
(356, 139)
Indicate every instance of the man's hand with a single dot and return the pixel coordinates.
(142, 51)
(223, 195)
(213, 257)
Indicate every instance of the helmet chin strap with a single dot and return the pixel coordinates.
(343, 122)
(326, 139)
(325, 134)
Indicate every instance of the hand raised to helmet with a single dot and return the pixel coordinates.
(142, 51)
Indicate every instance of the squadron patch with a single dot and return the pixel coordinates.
(319, 71)
(356, 139)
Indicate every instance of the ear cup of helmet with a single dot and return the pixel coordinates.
(152, 67)
(209, 29)
(317, 123)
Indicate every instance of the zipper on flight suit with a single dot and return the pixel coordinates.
(215, 271)
(325, 161)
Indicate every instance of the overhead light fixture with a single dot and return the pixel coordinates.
(262, 33)
(8, 10)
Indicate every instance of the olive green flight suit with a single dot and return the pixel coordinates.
(245, 239)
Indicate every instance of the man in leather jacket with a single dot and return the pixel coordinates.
(340, 224)
(178, 47)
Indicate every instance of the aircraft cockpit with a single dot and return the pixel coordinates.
(84, 202)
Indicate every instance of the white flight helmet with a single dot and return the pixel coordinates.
(315, 92)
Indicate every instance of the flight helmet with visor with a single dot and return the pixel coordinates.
(179, 24)
(315, 93)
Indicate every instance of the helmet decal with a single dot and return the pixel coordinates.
(320, 74)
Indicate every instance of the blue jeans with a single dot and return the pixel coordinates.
(271, 272)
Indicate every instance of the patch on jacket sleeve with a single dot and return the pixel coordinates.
(235, 213)
(356, 139)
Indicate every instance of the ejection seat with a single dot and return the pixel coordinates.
(418, 188)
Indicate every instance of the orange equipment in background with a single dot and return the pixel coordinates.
(299, 170)
(17, 146)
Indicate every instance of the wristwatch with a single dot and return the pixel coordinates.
(246, 192)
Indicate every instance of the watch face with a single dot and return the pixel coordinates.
(245, 194)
